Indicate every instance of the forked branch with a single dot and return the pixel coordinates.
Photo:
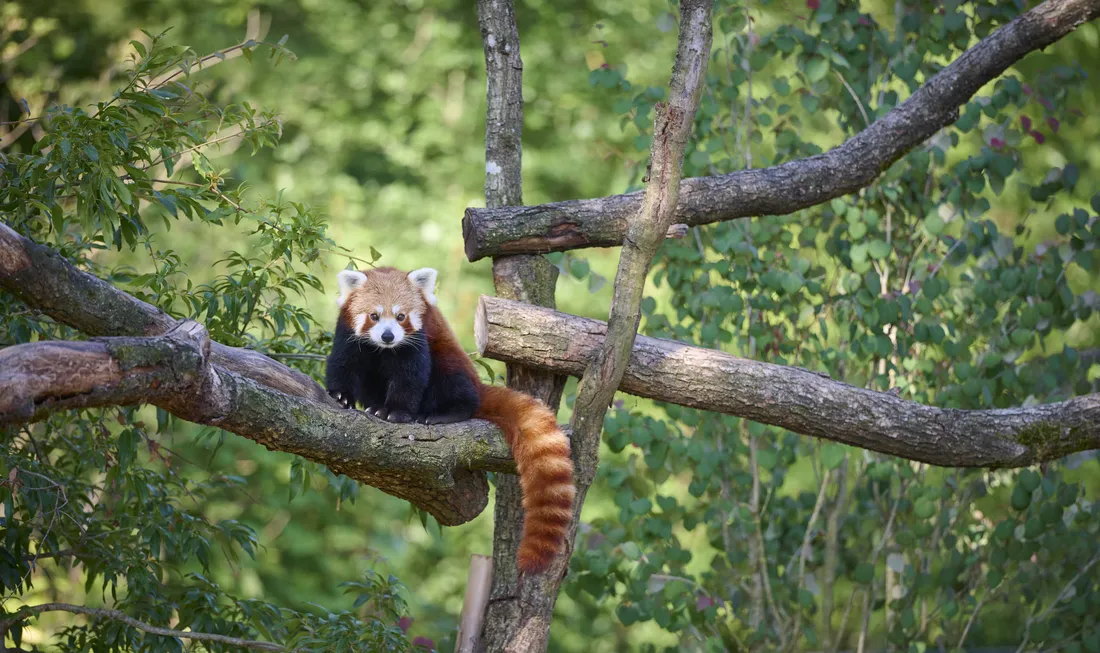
(792, 186)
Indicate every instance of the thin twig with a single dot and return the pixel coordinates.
(805, 548)
(208, 61)
(117, 615)
(851, 91)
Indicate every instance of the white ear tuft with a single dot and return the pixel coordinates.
(424, 279)
(347, 281)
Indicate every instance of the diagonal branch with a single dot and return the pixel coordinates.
(439, 468)
(789, 187)
(118, 615)
(791, 397)
(40, 278)
(157, 359)
(645, 231)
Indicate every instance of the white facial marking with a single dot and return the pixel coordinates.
(383, 325)
(347, 281)
(360, 320)
(424, 279)
(396, 309)
(416, 320)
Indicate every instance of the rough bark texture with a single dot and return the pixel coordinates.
(42, 279)
(431, 469)
(791, 186)
(520, 612)
(530, 279)
(439, 469)
(644, 233)
(793, 398)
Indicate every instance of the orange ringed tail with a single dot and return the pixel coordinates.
(545, 471)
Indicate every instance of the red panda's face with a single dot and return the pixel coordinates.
(385, 306)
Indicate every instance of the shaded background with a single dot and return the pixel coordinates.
(383, 126)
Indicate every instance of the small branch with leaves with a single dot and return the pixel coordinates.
(117, 615)
(149, 357)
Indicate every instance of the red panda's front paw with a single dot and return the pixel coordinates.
(398, 417)
(341, 398)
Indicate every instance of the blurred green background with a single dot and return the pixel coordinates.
(383, 129)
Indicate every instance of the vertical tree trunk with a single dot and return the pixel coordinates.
(520, 612)
(526, 278)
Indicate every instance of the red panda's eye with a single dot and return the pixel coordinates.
(400, 317)
(374, 317)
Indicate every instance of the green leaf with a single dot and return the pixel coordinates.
(1029, 480)
(767, 458)
(1062, 224)
(864, 573)
(832, 455)
(1021, 498)
(878, 249)
(127, 448)
(631, 550)
(816, 67)
(933, 224)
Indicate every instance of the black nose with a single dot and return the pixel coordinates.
(387, 337)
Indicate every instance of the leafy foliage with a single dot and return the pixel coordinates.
(737, 536)
(99, 491)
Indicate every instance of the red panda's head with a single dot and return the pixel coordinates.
(385, 306)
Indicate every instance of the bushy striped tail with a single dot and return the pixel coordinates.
(545, 471)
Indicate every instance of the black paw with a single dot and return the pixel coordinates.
(442, 419)
(395, 416)
(344, 400)
(398, 417)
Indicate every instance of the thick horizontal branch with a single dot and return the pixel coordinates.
(40, 278)
(118, 615)
(789, 187)
(437, 468)
(793, 398)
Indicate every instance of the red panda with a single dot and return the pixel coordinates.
(394, 354)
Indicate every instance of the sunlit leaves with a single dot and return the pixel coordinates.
(100, 494)
(931, 283)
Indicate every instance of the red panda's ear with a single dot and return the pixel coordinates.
(347, 281)
(424, 279)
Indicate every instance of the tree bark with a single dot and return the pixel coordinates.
(440, 469)
(520, 614)
(792, 186)
(530, 279)
(793, 398)
(43, 280)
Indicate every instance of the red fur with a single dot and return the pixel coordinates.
(545, 471)
(540, 448)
